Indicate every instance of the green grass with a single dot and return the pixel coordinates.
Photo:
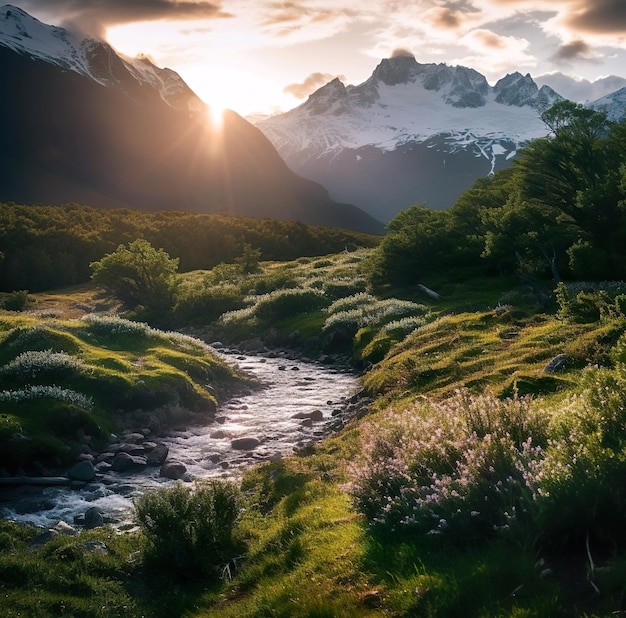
(309, 551)
(113, 367)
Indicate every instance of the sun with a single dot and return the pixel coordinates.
(216, 114)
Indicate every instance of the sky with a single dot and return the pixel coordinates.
(266, 56)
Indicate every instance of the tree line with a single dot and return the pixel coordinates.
(46, 247)
(559, 212)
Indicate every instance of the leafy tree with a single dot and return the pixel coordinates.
(138, 275)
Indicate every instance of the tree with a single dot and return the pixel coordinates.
(138, 275)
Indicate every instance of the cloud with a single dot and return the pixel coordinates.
(94, 16)
(488, 39)
(573, 51)
(444, 17)
(310, 84)
(400, 52)
(598, 16)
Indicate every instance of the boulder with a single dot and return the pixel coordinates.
(82, 471)
(244, 444)
(157, 455)
(315, 415)
(557, 364)
(173, 470)
(93, 518)
(123, 462)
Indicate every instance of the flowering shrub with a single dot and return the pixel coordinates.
(34, 364)
(114, 325)
(57, 393)
(402, 327)
(464, 467)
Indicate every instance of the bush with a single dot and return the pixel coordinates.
(16, 301)
(190, 532)
(46, 364)
(462, 468)
(581, 486)
(206, 304)
(286, 303)
(139, 276)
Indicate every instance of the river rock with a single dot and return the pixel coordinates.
(173, 470)
(218, 435)
(132, 449)
(82, 471)
(93, 518)
(123, 462)
(157, 455)
(315, 415)
(557, 364)
(244, 444)
(133, 437)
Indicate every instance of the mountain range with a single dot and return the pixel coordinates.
(81, 123)
(412, 132)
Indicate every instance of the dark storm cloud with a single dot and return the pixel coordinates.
(92, 16)
(310, 84)
(402, 53)
(576, 50)
(600, 16)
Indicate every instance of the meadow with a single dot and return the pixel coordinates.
(478, 484)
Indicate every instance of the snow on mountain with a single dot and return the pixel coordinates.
(407, 107)
(97, 60)
(84, 124)
(581, 90)
(613, 104)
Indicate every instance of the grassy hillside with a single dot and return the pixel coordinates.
(66, 377)
(477, 485)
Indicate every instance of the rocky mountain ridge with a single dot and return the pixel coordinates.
(410, 133)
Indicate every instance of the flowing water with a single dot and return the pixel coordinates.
(290, 387)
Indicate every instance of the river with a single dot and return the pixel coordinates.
(266, 416)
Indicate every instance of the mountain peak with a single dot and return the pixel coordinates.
(521, 90)
(398, 69)
(93, 59)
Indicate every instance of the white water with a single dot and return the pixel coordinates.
(291, 386)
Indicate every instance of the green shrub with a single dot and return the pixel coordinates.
(581, 490)
(190, 532)
(16, 301)
(207, 303)
(42, 364)
(286, 303)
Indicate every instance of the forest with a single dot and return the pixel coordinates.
(559, 212)
(47, 247)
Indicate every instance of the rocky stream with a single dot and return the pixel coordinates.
(300, 402)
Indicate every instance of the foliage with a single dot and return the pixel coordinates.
(591, 304)
(459, 468)
(63, 376)
(16, 301)
(557, 213)
(190, 532)
(138, 275)
(47, 247)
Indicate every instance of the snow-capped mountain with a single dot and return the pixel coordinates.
(94, 59)
(410, 133)
(83, 124)
(614, 105)
(581, 90)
